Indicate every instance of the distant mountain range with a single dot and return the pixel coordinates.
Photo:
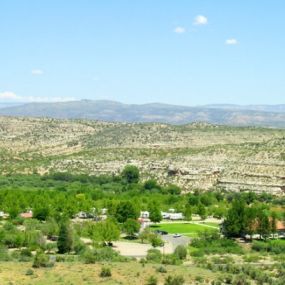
(252, 115)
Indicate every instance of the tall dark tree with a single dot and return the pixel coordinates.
(201, 211)
(65, 238)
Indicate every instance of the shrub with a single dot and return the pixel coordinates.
(199, 279)
(180, 252)
(176, 280)
(152, 280)
(89, 257)
(105, 272)
(101, 254)
(161, 269)
(4, 255)
(154, 255)
(25, 255)
(274, 246)
(211, 243)
(41, 260)
(155, 240)
(29, 272)
(171, 259)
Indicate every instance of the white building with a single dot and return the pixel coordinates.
(176, 216)
(144, 214)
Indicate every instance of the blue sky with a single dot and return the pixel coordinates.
(188, 52)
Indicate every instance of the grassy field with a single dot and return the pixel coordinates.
(187, 229)
(78, 273)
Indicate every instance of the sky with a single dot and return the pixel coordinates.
(184, 52)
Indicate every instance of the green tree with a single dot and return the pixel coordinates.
(130, 174)
(65, 238)
(188, 212)
(131, 227)
(126, 210)
(235, 222)
(201, 211)
(273, 222)
(106, 231)
(263, 228)
(155, 214)
(250, 220)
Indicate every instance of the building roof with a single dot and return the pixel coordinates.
(27, 215)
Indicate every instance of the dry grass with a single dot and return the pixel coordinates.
(130, 273)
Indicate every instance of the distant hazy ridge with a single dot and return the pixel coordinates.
(252, 115)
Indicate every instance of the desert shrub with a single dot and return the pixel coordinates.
(154, 255)
(180, 252)
(4, 255)
(161, 269)
(251, 258)
(211, 243)
(152, 280)
(240, 280)
(34, 239)
(78, 245)
(199, 279)
(101, 254)
(105, 272)
(41, 260)
(171, 259)
(274, 246)
(29, 272)
(89, 257)
(174, 280)
(156, 240)
(13, 239)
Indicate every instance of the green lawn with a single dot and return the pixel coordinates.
(187, 229)
(211, 224)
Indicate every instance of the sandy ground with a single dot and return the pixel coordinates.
(138, 249)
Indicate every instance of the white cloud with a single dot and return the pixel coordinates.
(179, 30)
(231, 42)
(8, 95)
(11, 96)
(200, 20)
(37, 72)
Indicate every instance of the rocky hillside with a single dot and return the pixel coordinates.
(111, 111)
(196, 155)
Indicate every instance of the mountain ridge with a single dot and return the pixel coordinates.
(107, 110)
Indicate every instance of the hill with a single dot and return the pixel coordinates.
(194, 155)
(155, 112)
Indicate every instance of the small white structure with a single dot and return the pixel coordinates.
(165, 215)
(104, 211)
(144, 214)
(81, 215)
(176, 216)
(172, 216)
(3, 215)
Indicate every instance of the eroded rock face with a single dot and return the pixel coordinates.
(195, 156)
